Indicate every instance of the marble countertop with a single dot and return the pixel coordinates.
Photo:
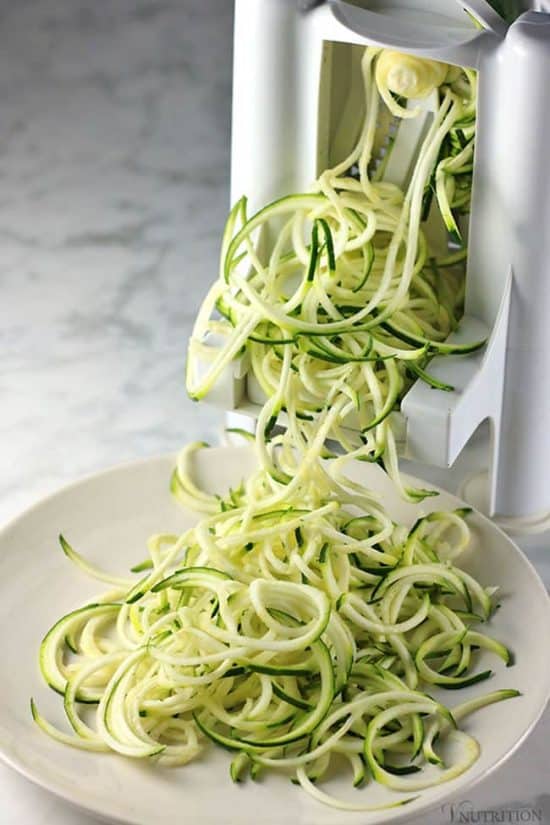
(114, 160)
(114, 164)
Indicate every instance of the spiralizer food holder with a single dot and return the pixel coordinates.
(296, 105)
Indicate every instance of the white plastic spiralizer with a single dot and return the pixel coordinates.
(296, 110)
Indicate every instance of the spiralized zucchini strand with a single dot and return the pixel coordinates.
(296, 624)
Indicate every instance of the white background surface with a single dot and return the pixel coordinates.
(114, 158)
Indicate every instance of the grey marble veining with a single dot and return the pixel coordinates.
(114, 159)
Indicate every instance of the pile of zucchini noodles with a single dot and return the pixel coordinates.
(296, 624)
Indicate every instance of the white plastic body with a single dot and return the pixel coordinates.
(281, 119)
(511, 231)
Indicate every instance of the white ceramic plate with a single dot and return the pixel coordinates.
(108, 518)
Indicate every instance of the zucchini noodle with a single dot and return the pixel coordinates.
(296, 624)
(349, 304)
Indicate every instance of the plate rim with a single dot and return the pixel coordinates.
(72, 797)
